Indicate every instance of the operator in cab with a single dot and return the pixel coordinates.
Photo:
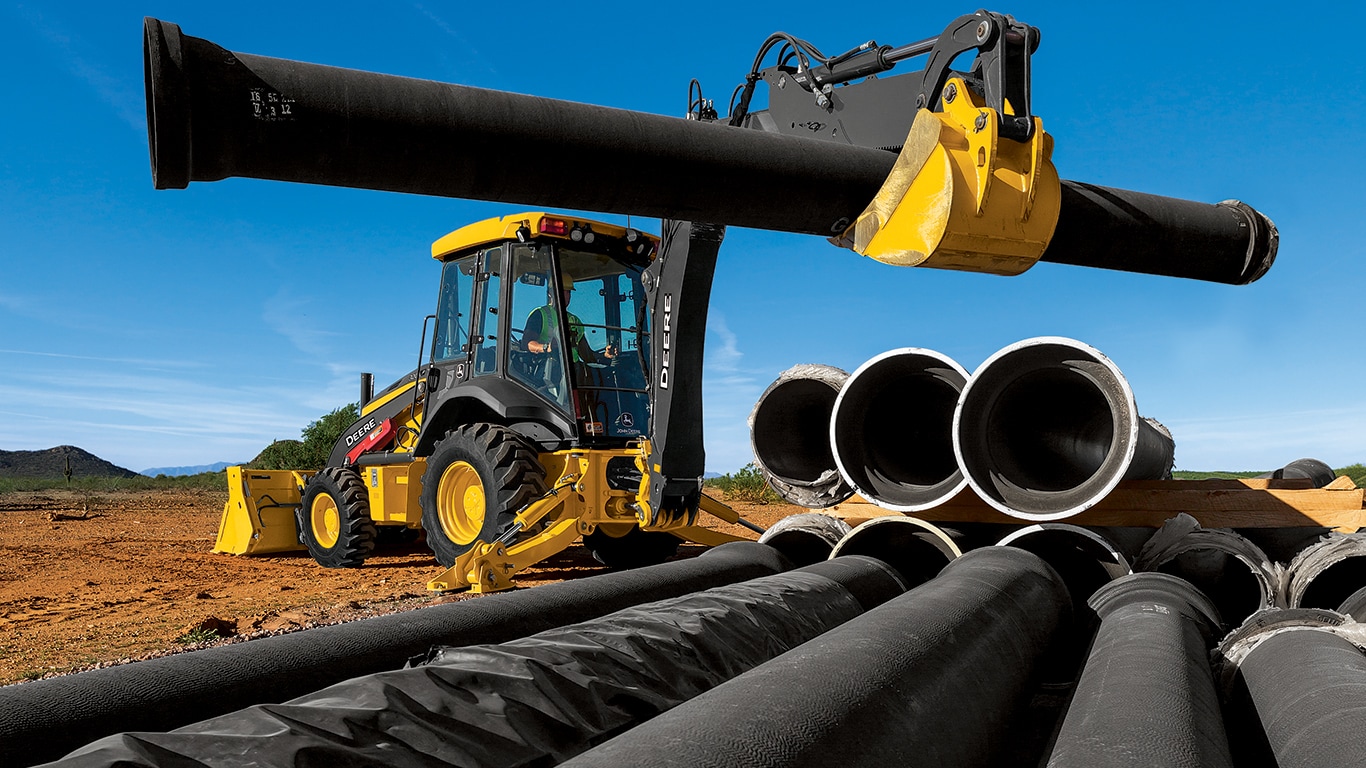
(542, 327)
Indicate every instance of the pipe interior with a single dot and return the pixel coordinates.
(917, 554)
(894, 430)
(1053, 430)
(792, 430)
(1084, 564)
(801, 547)
(1335, 584)
(1227, 581)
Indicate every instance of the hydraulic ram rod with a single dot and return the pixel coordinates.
(212, 114)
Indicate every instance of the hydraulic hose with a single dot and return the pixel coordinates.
(212, 114)
(1146, 695)
(45, 719)
(933, 677)
(533, 701)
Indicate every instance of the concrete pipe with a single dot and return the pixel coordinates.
(915, 548)
(934, 677)
(789, 431)
(1147, 695)
(1296, 689)
(213, 113)
(891, 432)
(45, 719)
(1048, 426)
(1232, 571)
(805, 538)
(1327, 573)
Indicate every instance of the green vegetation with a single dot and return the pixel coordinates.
(1196, 475)
(211, 480)
(198, 635)
(745, 485)
(313, 450)
(1355, 471)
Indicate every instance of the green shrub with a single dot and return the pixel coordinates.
(314, 449)
(747, 484)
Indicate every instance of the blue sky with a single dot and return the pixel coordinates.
(187, 327)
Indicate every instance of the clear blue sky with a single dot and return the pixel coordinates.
(187, 327)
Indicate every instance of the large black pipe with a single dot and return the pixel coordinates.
(533, 701)
(891, 430)
(1229, 569)
(1146, 695)
(1298, 700)
(789, 431)
(45, 719)
(1327, 573)
(934, 677)
(1048, 426)
(212, 114)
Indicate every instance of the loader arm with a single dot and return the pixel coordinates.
(678, 288)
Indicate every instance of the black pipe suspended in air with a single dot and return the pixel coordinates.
(213, 113)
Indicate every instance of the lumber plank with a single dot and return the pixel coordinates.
(1150, 503)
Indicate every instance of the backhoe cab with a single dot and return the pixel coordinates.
(525, 426)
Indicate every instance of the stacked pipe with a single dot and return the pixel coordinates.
(44, 719)
(1043, 430)
(545, 698)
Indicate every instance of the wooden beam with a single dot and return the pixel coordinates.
(1150, 503)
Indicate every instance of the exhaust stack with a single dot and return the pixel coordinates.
(1048, 426)
(891, 432)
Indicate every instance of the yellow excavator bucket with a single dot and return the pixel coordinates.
(259, 515)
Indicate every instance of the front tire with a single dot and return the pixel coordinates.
(477, 480)
(334, 519)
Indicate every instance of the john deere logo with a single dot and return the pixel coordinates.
(626, 420)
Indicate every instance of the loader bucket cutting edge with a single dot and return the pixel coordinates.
(259, 515)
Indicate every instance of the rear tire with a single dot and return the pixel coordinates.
(334, 519)
(477, 480)
(636, 549)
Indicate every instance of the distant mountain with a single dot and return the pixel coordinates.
(194, 470)
(54, 461)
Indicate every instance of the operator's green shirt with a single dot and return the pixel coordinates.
(549, 322)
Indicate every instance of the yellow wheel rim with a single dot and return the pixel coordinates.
(325, 519)
(460, 503)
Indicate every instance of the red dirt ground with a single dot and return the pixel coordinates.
(86, 580)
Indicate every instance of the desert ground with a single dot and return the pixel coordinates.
(89, 580)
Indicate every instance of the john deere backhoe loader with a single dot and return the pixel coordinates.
(526, 426)
(515, 436)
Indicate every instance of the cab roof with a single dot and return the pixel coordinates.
(499, 229)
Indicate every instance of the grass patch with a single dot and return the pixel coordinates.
(745, 485)
(1355, 471)
(198, 635)
(203, 480)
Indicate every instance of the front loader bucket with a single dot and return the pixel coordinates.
(259, 516)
